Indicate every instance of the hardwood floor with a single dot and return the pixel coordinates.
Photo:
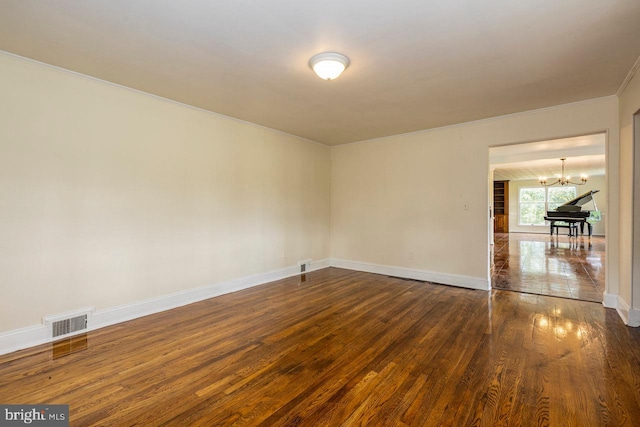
(561, 266)
(345, 348)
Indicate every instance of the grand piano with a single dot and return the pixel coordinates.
(571, 215)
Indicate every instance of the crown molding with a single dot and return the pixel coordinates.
(629, 76)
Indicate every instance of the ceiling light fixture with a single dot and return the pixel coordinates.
(328, 65)
(564, 180)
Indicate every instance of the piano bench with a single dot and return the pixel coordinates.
(573, 228)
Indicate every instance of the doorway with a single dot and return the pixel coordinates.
(527, 257)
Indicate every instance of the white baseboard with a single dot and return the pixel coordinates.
(634, 318)
(319, 265)
(610, 300)
(19, 339)
(630, 316)
(409, 273)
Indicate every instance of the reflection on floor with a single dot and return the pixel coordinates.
(561, 266)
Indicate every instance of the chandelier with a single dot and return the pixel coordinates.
(564, 180)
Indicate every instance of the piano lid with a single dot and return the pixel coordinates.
(582, 199)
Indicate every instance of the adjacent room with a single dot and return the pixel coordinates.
(533, 184)
(298, 213)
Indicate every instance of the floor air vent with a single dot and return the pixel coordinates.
(66, 324)
(305, 265)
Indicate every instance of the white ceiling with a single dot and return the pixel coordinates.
(584, 155)
(415, 64)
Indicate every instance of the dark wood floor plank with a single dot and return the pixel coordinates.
(562, 266)
(346, 348)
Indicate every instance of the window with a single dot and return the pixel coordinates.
(557, 196)
(595, 216)
(534, 202)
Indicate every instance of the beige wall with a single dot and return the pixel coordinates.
(402, 196)
(406, 194)
(629, 217)
(109, 196)
(594, 183)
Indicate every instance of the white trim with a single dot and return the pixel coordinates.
(410, 273)
(473, 122)
(182, 104)
(19, 339)
(623, 310)
(318, 265)
(634, 318)
(35, 335)
(609, 300)
(491, 119)
(629, 76)
(630, 316)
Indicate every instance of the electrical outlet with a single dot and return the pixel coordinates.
(410, 255)
(284, 254)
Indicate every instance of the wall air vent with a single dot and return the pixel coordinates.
(304, 265)
(68, 324)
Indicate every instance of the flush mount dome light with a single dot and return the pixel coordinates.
(328, 65)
